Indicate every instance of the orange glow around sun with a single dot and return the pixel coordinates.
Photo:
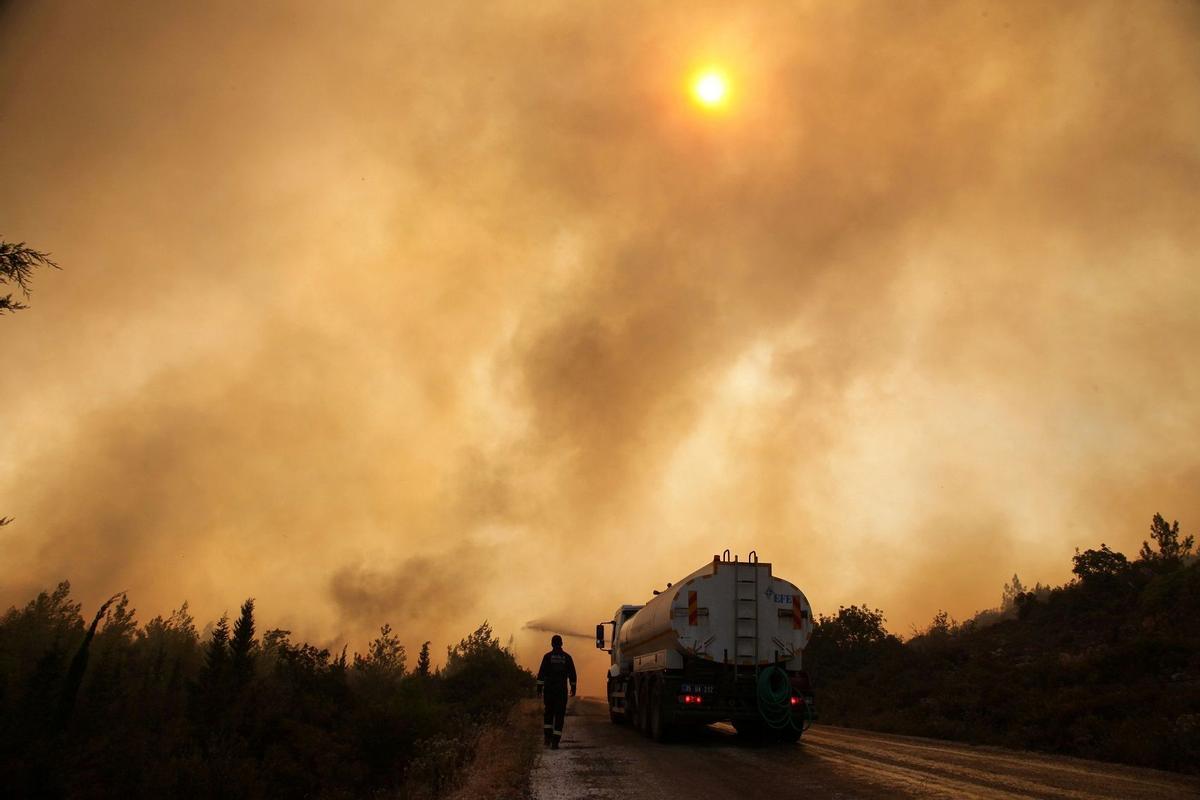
(710, 88)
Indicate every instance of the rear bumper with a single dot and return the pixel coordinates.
(742, 710)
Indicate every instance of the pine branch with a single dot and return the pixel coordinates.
(17, 263)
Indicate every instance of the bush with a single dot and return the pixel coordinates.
(161, 713)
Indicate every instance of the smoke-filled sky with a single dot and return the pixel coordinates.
(430, 313)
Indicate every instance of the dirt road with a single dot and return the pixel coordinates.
(602, 760)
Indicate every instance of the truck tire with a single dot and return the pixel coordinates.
(659, 728)
(643, 712)
(633, 704)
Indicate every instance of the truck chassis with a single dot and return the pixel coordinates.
(661, 702)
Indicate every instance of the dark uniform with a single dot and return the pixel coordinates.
(557, 669)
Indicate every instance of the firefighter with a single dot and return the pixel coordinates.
(557, 669)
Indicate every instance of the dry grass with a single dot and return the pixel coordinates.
(504, 757)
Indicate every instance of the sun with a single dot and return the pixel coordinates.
(710, 88)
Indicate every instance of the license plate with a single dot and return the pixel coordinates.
(697, 688)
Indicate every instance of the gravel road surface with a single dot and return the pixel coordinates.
(601, 760)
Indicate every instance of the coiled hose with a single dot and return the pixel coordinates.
(775, 700)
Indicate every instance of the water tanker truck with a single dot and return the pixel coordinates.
(723, 644)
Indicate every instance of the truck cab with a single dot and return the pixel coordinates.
(618, 665)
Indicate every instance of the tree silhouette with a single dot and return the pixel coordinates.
(216, 654)
(423, 661)
(481, 640)
(855, 626)
(1008, 599)
(942, 624)
(1170, 549)
(849, 639)
(79, 664)
(480, 674)
(385, 656)
(241, 645)
(17, 263)
(1096, 565)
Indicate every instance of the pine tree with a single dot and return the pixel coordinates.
(17, 263)
(217, 653)
(242, 645)
(120, 623)
(423, 661)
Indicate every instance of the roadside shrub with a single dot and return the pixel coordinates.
(163, 712)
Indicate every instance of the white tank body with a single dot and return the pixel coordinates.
(727, 612)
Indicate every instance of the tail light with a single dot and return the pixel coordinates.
(691, 699)
(795, 700)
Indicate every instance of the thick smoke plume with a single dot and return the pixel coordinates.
(426, 314)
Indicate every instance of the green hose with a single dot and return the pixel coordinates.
(775, 700)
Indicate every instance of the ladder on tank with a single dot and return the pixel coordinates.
(745, 612)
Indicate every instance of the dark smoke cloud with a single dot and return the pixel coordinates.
(420, 591)
(366, 306)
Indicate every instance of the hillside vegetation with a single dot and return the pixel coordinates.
(1105, 667)
(114, 709)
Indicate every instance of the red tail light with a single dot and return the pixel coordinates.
(691, 699)
(795, 700)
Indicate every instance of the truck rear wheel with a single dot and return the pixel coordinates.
(659, 726)
(643, 709)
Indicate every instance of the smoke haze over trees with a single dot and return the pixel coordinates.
(395, 310)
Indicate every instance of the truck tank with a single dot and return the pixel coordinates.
(727, 612)
(724, 644)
